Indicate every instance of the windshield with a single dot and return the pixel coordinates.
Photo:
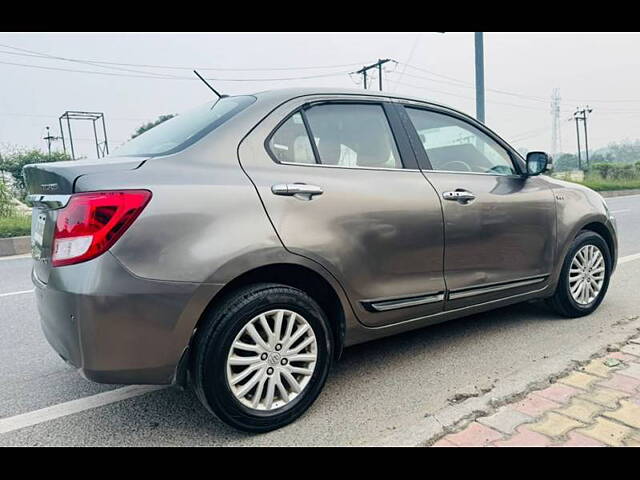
(185, 129)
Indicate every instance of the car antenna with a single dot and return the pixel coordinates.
(207, 84)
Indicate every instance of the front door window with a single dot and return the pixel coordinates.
(456, 146)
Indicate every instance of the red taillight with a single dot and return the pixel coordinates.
(92, 222)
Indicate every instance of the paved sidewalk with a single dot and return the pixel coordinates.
(597, 404)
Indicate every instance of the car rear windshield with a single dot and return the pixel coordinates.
(185, 129)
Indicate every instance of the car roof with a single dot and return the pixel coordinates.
(283, 94)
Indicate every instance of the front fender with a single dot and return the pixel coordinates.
(578, 207)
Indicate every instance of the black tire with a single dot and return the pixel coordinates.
(562, 301)
(215, 336)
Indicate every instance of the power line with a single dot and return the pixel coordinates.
(363, 71)
(32, 53)
(37, 115)
(466, 97)
(335, 74)
(467, 84)
(471, 86)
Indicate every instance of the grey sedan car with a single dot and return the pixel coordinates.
(239, 247)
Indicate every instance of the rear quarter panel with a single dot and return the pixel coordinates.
(204, 213)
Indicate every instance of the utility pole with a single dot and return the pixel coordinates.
(50, 138)
(378, 65)
(578, 138)
(581, 114)
(586, 143)
(479, 77)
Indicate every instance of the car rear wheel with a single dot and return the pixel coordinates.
(585, 276)
(262, 357)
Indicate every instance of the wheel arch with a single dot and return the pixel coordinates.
(596, 223)
(602, 230)
(294, 275)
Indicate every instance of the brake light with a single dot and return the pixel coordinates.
(92, 222)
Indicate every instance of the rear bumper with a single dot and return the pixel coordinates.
(115, 327)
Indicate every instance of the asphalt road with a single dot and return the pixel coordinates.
(376, 390)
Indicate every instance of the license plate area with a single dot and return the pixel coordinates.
(38, 224)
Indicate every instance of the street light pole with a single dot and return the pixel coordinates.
(479, 77)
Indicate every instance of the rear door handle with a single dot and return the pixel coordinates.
(462, 196)
(299, 190)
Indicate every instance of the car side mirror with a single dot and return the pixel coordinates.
(537, 163)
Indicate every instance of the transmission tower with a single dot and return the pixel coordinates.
(556, 138)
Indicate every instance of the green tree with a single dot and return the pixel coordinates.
(150, 125)
(626, 151)
(566, 161)
(15, 161)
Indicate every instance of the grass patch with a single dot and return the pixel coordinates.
(15, 226)
(602, 184)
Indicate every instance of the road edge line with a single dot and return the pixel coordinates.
(35, 417)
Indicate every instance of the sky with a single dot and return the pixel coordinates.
(521, 70)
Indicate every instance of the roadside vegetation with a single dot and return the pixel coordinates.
(15, 216)
(16, 225)
(603, 177)
(616, 167)
(12, 222)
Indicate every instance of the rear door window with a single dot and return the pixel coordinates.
(343, 134)
(290, 143)
(353, 135)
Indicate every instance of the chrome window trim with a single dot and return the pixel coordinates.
(510, 175)
(348, 167)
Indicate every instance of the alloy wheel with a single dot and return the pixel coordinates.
(271, 360)
(586, 275)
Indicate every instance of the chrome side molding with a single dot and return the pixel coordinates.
(392, 304)
(469, 292)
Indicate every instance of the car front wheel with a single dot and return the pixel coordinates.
(262, 357)
(585, 276)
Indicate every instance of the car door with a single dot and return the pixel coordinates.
(499, 225)
(340, 183)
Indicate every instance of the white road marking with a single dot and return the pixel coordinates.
(629, 258)
(35, 417)
(621, 197)
(16, 293)
(15, 257)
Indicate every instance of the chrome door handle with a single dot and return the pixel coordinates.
(462, 196)
(299, 190)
